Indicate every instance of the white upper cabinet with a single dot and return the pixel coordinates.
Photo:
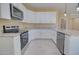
(5, 10)
(45, 17)
(37, 20)
(29, 16)
(41, 17)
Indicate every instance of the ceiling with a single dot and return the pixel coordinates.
(70, 7)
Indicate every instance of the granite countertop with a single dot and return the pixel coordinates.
(11, 34)
(14, 34)
(69, 32)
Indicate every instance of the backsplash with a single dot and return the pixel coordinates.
(73, 24)
(25, 26)
(10, 23)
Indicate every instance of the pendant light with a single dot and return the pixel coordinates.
(65, 14)
(78, 7)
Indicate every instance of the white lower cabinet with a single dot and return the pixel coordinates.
(71, 45)
(42, 34)
(66, 44)
(10, 45)
(33, 34)
(17, 45)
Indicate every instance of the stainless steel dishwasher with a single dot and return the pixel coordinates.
(60, 41)
(24, 39)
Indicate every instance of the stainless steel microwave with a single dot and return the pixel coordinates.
(16, 13)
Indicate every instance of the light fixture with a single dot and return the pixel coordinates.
(78, 7)
(65, 14)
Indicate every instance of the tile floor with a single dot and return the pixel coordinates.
(42, 47)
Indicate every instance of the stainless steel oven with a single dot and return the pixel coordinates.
(60, 41)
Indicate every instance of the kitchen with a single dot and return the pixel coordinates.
(37, 23)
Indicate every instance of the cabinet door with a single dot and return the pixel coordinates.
(6, 46)
(74, 45)
(60, 41)
(17, 45)
(66, 44)
(45, 17)
(46, 33)
(5, 11)
(34, 34)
